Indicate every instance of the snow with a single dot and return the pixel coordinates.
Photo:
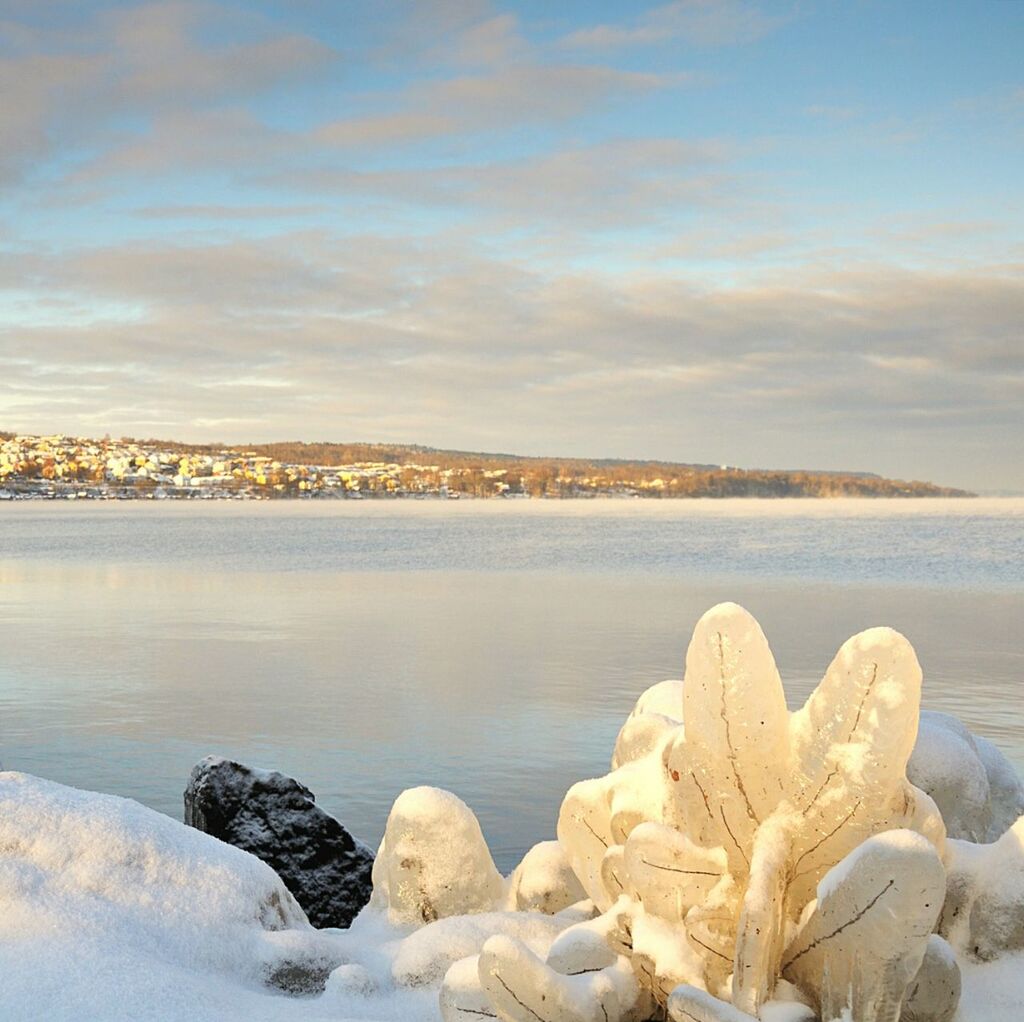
(992, 992)
(112, 911)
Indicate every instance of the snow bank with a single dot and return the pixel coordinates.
(109, 910)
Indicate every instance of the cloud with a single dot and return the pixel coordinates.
(32, 87)
(699, 22)
(161, 57)
(73, 82)
(619, 183)
(496, 101)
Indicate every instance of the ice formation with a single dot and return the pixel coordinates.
(983, 916)
(433, 861)
(753, 852)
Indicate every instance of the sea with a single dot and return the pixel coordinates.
(489, 647)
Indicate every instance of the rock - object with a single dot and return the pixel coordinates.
(544, 881)
(971, 781)
(983, 916)
(433, 861)
(276, 819)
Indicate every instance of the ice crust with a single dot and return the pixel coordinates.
(750, 864)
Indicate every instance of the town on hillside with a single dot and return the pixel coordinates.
(59, 466)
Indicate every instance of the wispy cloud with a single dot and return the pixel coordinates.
(699, 22)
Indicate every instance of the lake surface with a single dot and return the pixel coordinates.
(489, 647)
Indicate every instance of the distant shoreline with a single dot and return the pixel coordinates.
(64, 467)
(20, 496)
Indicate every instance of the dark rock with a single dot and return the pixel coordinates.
(276, 819)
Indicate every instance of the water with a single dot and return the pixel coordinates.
(492, 648)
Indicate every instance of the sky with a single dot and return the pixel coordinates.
(772, 235)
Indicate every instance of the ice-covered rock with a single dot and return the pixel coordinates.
(522, 988)
(425, 956)
(864, 939)
(945, 764)
(975, 787)
(983, 915)
(934, 993)
(665, 698)
(659, 709)
(692, 1004)
(276, 819)
(1005, 786)
(433, 861)
(544, 881)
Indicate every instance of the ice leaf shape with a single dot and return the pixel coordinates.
(522, 988)
(851, 743)
(866, 936)
(691, 1004)
(762, 922)
(667, 872)
(734, 704)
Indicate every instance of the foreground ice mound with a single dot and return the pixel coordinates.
(714, 841)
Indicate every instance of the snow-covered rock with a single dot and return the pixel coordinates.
(433, 861)
(935, 992)
(109, 910)
(1005, 785)
(971, 781)
(544, 881)
(983, 916)
(276, 818)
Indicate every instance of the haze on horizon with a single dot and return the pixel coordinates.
(783, 234)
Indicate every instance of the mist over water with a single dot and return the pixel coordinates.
(492, 648)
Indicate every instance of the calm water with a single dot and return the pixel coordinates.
(488, 647)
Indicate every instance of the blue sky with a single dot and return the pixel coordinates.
(774, 235)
